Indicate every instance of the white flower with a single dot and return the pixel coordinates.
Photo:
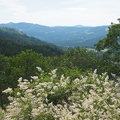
(106, 78)
(35, 112)
(20, 79)
(55, 87)
(25, 80)
(10, 98)
(34, 77)
(29, 91)
(24, 99)
(113, 75)
(118, 79)
(53, 76)
(8, 90)
(18, 93)
(54, 71)
(95, 71)
(39, 68)
(76, 81)
(118, 94)
(62, 77)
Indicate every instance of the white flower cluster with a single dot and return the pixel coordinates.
(8, 90)
(92, 97)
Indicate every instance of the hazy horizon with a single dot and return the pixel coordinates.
(54, 25)
(60, 12)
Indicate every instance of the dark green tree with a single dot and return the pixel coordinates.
(110, 47)
(4, 78)
(26, 62)
(111, 43)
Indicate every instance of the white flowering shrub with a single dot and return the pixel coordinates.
(91, 97)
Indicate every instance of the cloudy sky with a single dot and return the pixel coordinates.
(60, 12)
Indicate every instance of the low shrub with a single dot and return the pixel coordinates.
(46, 97)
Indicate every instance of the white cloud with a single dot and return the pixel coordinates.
(77, 8)
(12, 6)
(60, 12)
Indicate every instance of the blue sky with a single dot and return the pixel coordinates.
(60, 12)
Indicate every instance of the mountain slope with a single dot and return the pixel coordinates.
(14, 41)
(63, 36)
(19, 35)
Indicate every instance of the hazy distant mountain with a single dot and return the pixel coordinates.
(63, 35)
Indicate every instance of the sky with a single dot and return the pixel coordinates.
(60, 12)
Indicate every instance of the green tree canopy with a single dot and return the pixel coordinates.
(111, 43)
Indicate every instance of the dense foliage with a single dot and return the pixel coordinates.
(12, 47)
(48, 98)
(111, 43)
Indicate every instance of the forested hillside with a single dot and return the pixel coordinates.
(18, 35)
(67, 36)
(13, 41)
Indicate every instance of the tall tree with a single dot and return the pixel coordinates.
(111, 43)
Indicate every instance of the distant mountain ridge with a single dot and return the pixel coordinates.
(62, 35)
